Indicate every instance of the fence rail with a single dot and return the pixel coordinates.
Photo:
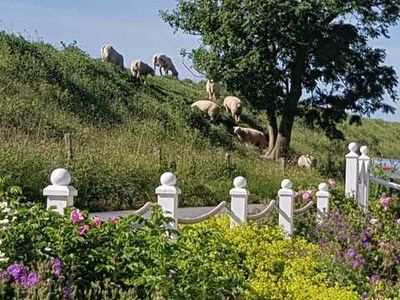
(60, 194)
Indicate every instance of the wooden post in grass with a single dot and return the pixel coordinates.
(168, 197)
(239, 196)
(60, 194)
(228, 159)
(351, 181)
(286, 207)
(322, 202)
(68, 146)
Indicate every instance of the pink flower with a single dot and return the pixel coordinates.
(306, 195)
(298, 194)
(385, 202)
(113, 219)
(332, 182)
(76, 216)
(398, 222)
(374, 221)
(97, 221)
(84, 229)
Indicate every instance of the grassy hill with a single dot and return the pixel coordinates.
(117, 127)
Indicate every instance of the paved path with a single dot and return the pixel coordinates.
(183, 212)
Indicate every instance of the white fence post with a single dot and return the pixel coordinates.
(363, 189)
(322, 202)
(239, 196)
(168, 197)
(60, 194)
(286, 207)
(351, 185)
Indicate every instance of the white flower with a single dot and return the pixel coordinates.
(374, 221)
(4, 221)
(6, 210)
(3, 204)
(13, 219)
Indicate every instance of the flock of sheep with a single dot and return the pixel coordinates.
(233, 105)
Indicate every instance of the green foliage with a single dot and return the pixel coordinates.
(272, 52)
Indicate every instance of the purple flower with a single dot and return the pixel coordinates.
(351, 252)
(67, 292)
(358, 261)
(76, 216)
(30, 280)
(17, 271)
(374, 279)
(57, 267)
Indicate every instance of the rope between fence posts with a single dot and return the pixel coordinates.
(262, 213)
(205, 216)
(384, 182)
(304, 208)
(144, 209)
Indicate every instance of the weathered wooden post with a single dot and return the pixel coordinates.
(239, 197)
(351, 184)
(228, 159)
(168, 197)
(286, 207)
(60, 194)
(363, 188)
(323, 196)
(68, 146)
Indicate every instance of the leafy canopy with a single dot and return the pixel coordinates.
(278, 52)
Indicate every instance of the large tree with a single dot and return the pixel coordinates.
(285, 54)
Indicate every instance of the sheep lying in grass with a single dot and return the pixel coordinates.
(164, 62)
(109, 54)
(306, 161)
(208, 107)
(234, 105)
(250, 135)
(140, 70)
(212, 89)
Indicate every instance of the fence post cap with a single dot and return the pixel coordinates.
(168, 179)
(353, 147)
(286, 184)
(239, 182)
(60, 177)
(323, 187)
(364, 150)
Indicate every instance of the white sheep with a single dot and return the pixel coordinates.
(212, 89)
(250, 135)
(164, 62)
(306, 161)
(109, 54)
(208, 107)
(234, 105)
(140, 70)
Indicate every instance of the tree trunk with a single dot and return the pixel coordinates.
(272, 132)
(282, 141)
(281, 146)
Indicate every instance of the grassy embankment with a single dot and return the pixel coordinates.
(117, 125)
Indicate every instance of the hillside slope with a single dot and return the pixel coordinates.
(117, 127)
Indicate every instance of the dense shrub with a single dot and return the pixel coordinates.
(52, 256)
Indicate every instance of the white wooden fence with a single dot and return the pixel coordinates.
(358, 176)
(60, 194)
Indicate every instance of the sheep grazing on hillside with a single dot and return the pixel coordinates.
(164, 62)
(140, 70)
(250, 135)
(306, 161)
(208, 107)
(213, 90)
(234, 105)
(109, 54)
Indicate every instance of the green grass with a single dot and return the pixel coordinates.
(117, 125)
